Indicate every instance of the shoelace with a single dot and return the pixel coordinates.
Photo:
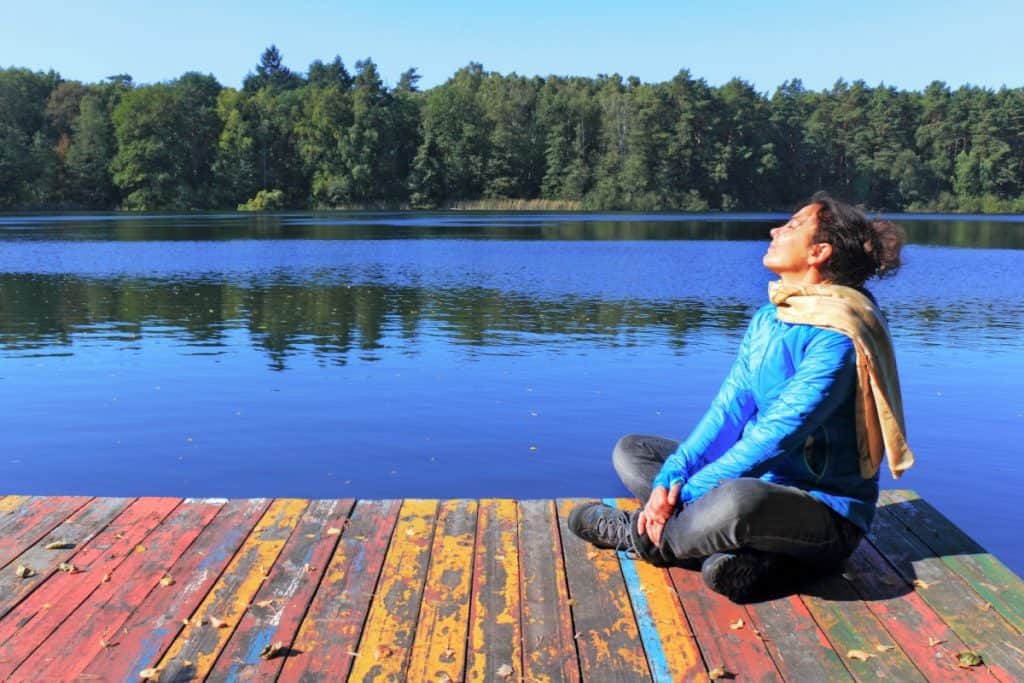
(619, 532)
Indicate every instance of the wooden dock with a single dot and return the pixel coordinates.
(119, 589)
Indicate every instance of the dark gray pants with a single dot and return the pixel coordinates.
(741, 514)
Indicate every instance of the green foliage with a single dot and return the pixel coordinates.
(333, 138)
(265, 200)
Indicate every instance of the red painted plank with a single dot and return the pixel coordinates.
(99, 618)
(36, 617)
(740, 651)
(278, 607)
(153, 625)
(77, 530)
(25, 526)
(331, 628)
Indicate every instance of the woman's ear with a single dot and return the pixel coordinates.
(818, 254)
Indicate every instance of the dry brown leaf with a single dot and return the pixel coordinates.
(218, 623)
(932, 642)
(505, 671)
(140, 548)
(987, 606)
(67, 567)
(24, 571)
(360, 537)
(104, 643)
(198, 621)
(736, 625)
(59, 545)
(859, 655)
(310, 568)
(47, 605)
(105, 578)
(885, 648)
(167, 581)
(717, 672)
(382, 652)
(571, 602)
(310, 535)
(119, 535)
(270, 651)
(923, 585)
(967, 659)
(152, 674)
(592, 554)
(333, 531)
(264, 603)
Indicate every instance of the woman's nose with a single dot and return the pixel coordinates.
(773, 231)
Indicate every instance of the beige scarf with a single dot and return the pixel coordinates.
(879, 404)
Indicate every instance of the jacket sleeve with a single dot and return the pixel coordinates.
(824, 378)
(721, 425)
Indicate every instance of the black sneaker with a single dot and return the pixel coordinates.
(741, 575)
(602, 525)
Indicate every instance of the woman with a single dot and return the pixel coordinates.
(783, 468)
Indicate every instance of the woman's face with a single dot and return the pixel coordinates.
(790, 254)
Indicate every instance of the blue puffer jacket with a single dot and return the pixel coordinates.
(785, 414)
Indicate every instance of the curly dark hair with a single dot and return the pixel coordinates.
(862, 248)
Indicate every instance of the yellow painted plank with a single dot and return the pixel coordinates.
(495, 636)
(388, 633)
(439, 648)
(193, 652)
(12, 503)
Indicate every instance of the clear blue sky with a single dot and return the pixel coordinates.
(907, 44)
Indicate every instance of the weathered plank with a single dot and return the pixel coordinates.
(39, 614)
(76, 530)
(963, 610)
(194, 651)
(800, 649)
(989, 577)
(850, 626)
(96, 623)
(155, 621)
(26, 524)
(607, 638)
(911, 623)
(495, 637)
(324, 647)
(391, 624)
(281, 602)
(739, 651)
(9, 505)
(549, 650)
(439, 647)
(672, 653)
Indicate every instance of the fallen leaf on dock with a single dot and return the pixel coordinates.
(24, 571)
(270, 651)
(923, 585)
(59, 545)
(67, 567)
(717, 672)
(505, 671)
(592, 554)
(382, 652)
(218, 623)
(859, 655)
(104, 643)
(333, 531)
(167, 581)
(443, 678)
(932, 642)
(150, 674)
(105, 578)
(736, 625)
(264, 603)
(885, 648)
(968, 659)
(140, 548)
(987, 606)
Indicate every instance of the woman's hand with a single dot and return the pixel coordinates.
(659, 508)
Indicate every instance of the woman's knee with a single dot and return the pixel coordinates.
(740, 498)
(625, 454)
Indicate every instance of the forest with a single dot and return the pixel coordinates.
(334, 138)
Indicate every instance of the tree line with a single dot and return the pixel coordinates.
(334, 138)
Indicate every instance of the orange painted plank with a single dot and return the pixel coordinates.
(607, 638)
(439, 647)
(279, 605)
(25, 525)
(157, 619)
(39, 614)
(77, 530)
(330, 630)
(100, 617)
(739, 651)
(908, 619)
(194, 651)
(549, 649)
(494, 622)
(386, 641)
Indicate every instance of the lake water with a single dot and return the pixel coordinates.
(400, 355)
